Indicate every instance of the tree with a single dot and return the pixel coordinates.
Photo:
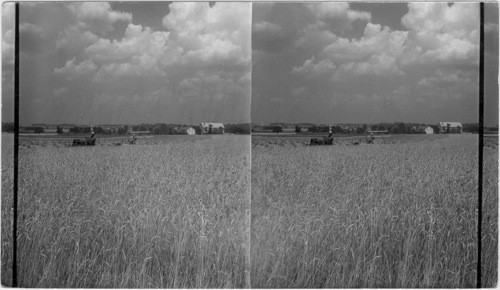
(297, 129)
(277, 129)
(435, 128)
(123, 130)
(99, 130)
(448, 128)
(312, 129)
(336, 129)
(59, 130)
(38, 130)
(8, 127)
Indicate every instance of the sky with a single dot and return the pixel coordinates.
(129, 63)
(329, 62)
(372, 62)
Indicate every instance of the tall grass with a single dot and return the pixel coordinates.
(399, 215)
(171, 215)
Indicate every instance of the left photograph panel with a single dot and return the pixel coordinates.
(134, 144)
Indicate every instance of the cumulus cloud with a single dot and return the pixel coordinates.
(73, 71)
(449, 78)
(265, 26)
(211, 34)
(375, 53)
(97, 16)
(138, 53)
(75, 39)
(312, 70)
(336, 16)
(442, 33)
(203, 55)
(436, 35)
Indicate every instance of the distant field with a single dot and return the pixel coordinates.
(299, 140)
(65, 141)
(168, 212)
(399, 213)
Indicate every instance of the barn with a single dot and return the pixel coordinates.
(212, 128)
(185, 130)
(450, 127)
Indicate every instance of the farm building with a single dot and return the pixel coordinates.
(184, 130)
(450, 127)
(422, 130)
(212, 128)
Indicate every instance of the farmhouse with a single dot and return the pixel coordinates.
(450, 127)
(212, 128)
(184, 130)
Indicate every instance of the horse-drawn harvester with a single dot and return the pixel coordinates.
(321, 141)
(84, 142)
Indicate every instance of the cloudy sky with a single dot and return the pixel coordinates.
(366, 63)
(91, 63)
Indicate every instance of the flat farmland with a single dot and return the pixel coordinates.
(271, 141)
(168, 212)
(399, 213)
(65, 141)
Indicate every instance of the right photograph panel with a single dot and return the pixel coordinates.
(365, 122)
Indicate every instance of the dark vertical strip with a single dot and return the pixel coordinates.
(16, 148)
(481, 125)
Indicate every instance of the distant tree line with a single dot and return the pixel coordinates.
(8, 127)
(169, 129)
(237, 128)
(337, 129)
(392, 128)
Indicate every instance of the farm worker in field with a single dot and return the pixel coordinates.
(330, 135)
(133, 139)
(370, 138)
(92, 135)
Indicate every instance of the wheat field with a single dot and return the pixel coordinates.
(396, 214)
(175, 213)
(170, 215)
